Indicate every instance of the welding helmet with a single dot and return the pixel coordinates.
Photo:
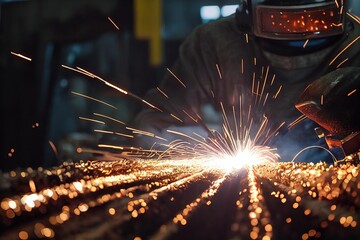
(291, 19)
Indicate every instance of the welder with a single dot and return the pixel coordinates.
(287, 44)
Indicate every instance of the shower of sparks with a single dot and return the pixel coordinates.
(21, 56)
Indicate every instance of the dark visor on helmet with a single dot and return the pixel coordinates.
(298, 22)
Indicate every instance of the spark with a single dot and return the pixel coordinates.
(110, 118)
(92, 120)
(191, 117)
(176, 117)
(110, 146)
(146, 133)
(354, 17)
(218, 70)
(162, 92)
(345, 60)
(296, 121)
(272, 80)
(278, 91)
(306, 42)
(264, 83)
(178, 79)
(94, 99)
(242, 66)
(21, 56)
(53, 147)
(113, 23)
(352, 92)
(111, 132)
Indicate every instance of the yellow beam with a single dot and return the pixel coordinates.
(148, 21)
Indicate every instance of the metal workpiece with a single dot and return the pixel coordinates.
(181, 199)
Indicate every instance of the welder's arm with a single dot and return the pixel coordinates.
(333, 102)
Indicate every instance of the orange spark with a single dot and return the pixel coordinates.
(272, 80)
(277, 93)
(176, 77)
(162, 92)
(352, 92)
(177, 118)
(110, 146)
(113, 23)
(94, 99)
(116, 133)
(192, 118)
(296, 121)
(342, 62)
(306, 42)
(53, 147)
(113, 119)
(242, 65)
(355, 18)
(21, 56)
(91, 120)
(218, 70)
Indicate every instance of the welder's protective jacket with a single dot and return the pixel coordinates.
(218, 63)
